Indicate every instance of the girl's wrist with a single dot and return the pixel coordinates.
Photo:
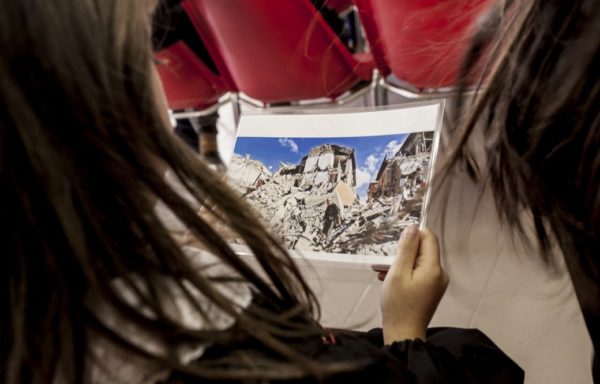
(400, 333)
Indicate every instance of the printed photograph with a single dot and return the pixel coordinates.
(349, 195)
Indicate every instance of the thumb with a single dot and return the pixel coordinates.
(408, 248)
(430, 249)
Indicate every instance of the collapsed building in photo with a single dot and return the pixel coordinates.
(400, 174)
(327, 165)
(313, 205)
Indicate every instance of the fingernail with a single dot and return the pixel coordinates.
(409, 233)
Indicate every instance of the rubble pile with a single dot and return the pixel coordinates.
(313, 205)
(246, 174)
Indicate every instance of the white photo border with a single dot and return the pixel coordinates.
(292, 122)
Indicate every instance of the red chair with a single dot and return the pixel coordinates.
(419, 45)
(279, 51)
(187, 82)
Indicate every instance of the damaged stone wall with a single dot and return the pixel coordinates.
(327, 165)
(403, 174)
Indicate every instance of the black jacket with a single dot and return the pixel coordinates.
(450, 355)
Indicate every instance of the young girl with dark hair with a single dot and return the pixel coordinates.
(96, 289)
(539, 115)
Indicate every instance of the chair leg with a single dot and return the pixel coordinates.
(381, 96)
(373, 91)
(373, 94)
(235, 106)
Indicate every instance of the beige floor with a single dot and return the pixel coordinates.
(529, 310)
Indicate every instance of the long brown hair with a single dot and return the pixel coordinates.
(538, 110)
(80, 137)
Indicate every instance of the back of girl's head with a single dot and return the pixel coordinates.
(538, 112)
(81, 141)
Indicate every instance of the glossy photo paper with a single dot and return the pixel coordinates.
(338, 186)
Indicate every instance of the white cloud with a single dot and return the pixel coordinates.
(363, 176)
(371, 163)
(289, 143)
(391, 148)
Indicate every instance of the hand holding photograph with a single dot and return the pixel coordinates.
(340, 185)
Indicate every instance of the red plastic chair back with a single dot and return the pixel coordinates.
(421, 42)
(209, 42)
(279, 50)
(187, 82)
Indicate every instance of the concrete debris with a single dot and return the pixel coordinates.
(247, 174)
(313, 205)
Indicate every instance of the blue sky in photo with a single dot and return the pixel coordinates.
(369, 151)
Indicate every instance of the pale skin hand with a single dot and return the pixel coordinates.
(413, 286)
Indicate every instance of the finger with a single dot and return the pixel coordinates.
(408, 247)
(429, 253)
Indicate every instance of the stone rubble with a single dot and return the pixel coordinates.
(292, 201)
